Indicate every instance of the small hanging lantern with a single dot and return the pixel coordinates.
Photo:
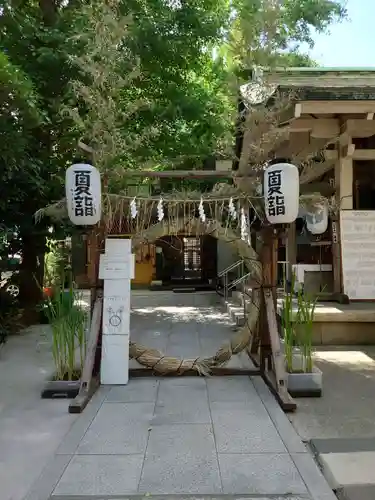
(202, 215)
(133, 209)
(317, 222)
(281, 193)
(83, 194)
(244, 226)
(160, 210)
(232, 209)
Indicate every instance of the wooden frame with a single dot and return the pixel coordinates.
(89, 380)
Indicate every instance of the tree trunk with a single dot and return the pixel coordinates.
(31, 276)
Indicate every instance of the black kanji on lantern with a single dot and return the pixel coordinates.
(83, 201)
(275, 197)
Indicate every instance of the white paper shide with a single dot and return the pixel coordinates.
(281, 193)
(83, 194)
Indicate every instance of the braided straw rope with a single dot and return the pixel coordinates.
(156, 360)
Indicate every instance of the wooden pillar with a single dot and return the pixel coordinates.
(344, 201)
(291, 250)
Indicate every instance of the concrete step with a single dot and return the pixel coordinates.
(236, 313)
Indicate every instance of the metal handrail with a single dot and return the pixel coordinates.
(238, 281)
(230, 268)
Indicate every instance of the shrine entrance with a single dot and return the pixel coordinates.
(186, 260)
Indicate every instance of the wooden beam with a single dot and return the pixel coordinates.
(359, 128)
(370, 116)
(354, 153)
(323, 188)
(178, 174)
(364, 155)
(320, 128)
(315, 145)
(336, 107)
(315, 170)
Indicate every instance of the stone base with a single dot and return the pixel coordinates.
(61, 389)
(340, 333)
(305, 385)
(341, 324)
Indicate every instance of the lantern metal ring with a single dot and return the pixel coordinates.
(13, 290)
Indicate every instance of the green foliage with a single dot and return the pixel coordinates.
(305, 322)
(298, 329)
(264, 32)
(55, 262)
(288, 325)
(151, 91)
(139, 82)
(67, 320)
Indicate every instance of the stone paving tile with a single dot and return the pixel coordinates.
(283, 426)
(260, 474)
(244, 427)
(118, 429)
(171, 475)
(137, 391)
(184, 497)
(347, 469)
(231, 389)
(312, 477)
(153, 339)
(101, 475)
(185, 403)
(343, 445)
(184, 439)
(357, 492)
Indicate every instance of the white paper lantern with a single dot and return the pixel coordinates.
(281, 193)
(317, 222)
(83, 194)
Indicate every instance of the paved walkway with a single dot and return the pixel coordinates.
(154, 437)
(341, 429)
(182, 436)
(182, 324)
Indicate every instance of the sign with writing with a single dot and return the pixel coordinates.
(83, 194)
(116, 315)
(116, 268)
(357, 229)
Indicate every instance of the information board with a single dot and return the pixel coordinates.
(116, 268)
(357, 231)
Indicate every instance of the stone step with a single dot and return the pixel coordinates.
(236, 313)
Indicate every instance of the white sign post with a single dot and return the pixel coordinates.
(116, 269)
